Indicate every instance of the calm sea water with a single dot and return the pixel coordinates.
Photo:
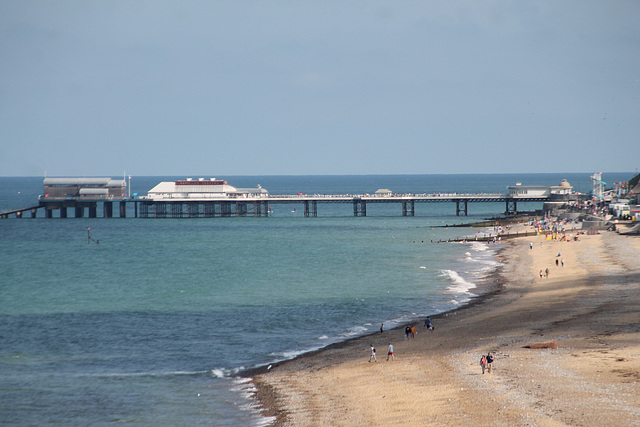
(150, 326)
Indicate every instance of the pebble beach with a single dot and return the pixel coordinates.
(566, 351)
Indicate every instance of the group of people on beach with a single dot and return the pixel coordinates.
(410, 331)
(389, 353)
(559, 262)
(486, 362)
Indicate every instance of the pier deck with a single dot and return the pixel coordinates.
(191, 207)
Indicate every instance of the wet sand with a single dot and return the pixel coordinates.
(590, 307)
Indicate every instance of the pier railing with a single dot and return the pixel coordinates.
(201, 206)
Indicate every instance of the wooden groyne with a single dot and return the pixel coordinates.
(490, 237)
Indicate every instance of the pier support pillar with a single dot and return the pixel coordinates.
(144, 210)
(93, 210)
(241, 209)
(79, 212)
(193, 209)
(107, 209)
(310, 208)
(261, 209)
(176, 210)
(461, 207)
(512, 207)
(123, 209)
(359, 207)
(225, 209)
(209, 209)
(63, 211)
(34, 212)
(160, 210)
(408, 207)
(48, 213)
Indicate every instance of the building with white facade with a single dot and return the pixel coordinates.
(202, 188)
(529, 190)
(564, 188)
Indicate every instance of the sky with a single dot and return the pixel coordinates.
(294, 87)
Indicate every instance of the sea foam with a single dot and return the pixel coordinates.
(458, 284)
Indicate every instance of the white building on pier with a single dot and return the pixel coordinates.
(202, 188)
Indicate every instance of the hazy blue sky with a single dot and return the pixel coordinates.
(215, 88)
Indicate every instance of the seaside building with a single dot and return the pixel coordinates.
(84, 188)
(562, 189)
(529, 190)
(383, 192)
(558, 196)
(202, 188)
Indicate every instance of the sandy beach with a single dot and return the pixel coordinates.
(590, 307)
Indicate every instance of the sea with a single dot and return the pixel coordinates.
(151, 322)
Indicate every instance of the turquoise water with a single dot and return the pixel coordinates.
(150, 325)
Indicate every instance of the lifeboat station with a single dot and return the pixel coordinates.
(81, 197)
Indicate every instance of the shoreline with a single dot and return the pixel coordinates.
(266, 394)
(491, 284)
(518, 309)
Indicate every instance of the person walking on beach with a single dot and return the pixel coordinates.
(390, 353)
(407, 332)
(483, 363)
(489, 361)
(541, 274)
(373, 354)
(546, 273)
(427, 324)
(381, 327)
(413, 332)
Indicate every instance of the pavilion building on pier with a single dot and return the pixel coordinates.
(202, 188)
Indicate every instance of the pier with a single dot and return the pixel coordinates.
(210, 197)
(117, 207)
